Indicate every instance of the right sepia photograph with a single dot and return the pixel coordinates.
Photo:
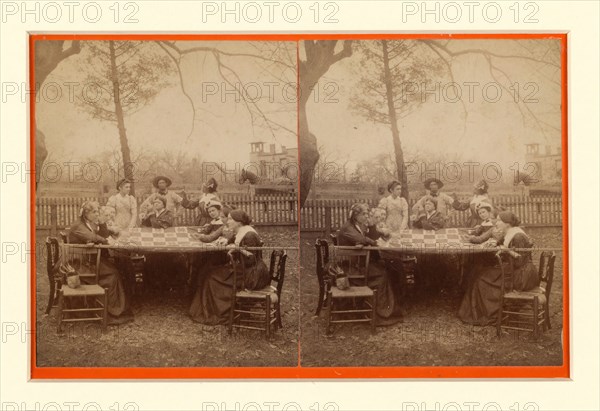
(432, 195)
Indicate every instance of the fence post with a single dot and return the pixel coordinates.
(327, 219)
(53, 218)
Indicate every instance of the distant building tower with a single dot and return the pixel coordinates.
(257, 147)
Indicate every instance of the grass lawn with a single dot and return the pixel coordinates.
(431, 333)
(163, 335)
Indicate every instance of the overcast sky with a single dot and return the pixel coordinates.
(480, 130)
(223, 127)
(492, 131)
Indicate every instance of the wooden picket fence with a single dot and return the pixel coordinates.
(539, 210)
(56, 214)
(317, 215)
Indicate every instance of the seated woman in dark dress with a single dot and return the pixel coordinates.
(160, 217)
(481, 302)
(355, 232)
(430, 219)
(212, 301)
(86, 231)
(525, 276)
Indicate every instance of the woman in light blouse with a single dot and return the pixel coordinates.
(395, 207)
(125, 206)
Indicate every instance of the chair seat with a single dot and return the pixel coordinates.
(537, 290)
(351, 292)
(528, 295)
(259, 294)
(82, 290)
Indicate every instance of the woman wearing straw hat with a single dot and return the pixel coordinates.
(214, 229)
(480, 195)
(486, 214)
(209, 193)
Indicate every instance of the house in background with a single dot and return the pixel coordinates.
(543, 167)
(273, 165)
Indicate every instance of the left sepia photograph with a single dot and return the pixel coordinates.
(165, 205)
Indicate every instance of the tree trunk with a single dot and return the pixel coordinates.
(48, 54)
(320, 56)
(398, 153)
(309, 153)
(127, 164)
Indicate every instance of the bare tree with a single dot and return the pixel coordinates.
(126, 75)
(384, 97)
(390, 70)
(379, 169)
(177, 161)
(331, 167)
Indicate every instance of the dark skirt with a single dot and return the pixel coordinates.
(110, 279)
(212, 300)
(526, 277)
(203, 264)
(388, 302)
(481, 302)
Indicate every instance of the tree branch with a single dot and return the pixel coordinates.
(182, 86)
(486, 53)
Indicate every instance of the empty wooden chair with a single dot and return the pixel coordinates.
(89, 301)
(257, 309)
(526, 310)
(354, 262)
(353, 305)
